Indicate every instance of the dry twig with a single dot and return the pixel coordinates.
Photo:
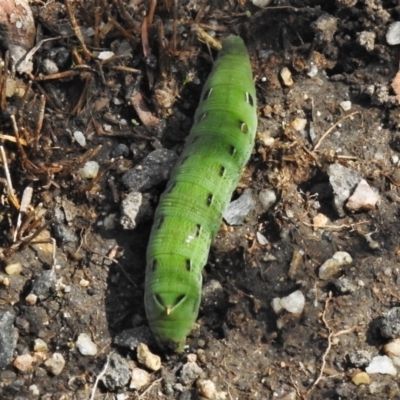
(330, 130)
(102, 373)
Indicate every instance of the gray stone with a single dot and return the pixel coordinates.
(8, 338)
(343, 181)
(43, 283)
(154, 169)
(129, 209)
(131, 338)
(117, 374)
(360, 358)
(390, 327)
(238, 210)
(121, 150)
(64, 234)
(189, 373)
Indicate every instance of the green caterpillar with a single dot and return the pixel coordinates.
(190, 210)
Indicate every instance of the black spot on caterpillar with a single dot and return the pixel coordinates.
(190, 210)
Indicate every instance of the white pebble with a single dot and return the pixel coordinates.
(313, 71)
(394, 159)
(89, 170)
(13, 269)
(206, 388)
(80, 138)
(294, 303)
(85, 345)
(392, 349)
(332, 266)
(261, 239)
(346, 105)
(55, 364)
(342, 257)
(139, 378)
(286, 77)
(381, 365)
(261, 3)
(34, 390)
(104, 55)
(393, 34)
(267, 198)
(40, 345)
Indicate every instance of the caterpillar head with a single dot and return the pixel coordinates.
(171, 317)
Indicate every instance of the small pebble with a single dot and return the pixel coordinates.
(261, 239)
(34, 390)
(85, 345)
(55, 364)
(267, 198)
(286, 77)
(393, 34)
(390, 327)
(148, 359)
(381, 365)
(121, 150)
(151, 171)
(84, 282)
(392, 350)
(344, 286)
(130, 207)
(294, 303)
(206, 388)
(299, 124)
(49, 67)
(363, 199)
(42, 284)
(261, 3)
(373, 244)
(394, 159)
(312, 71)
(360, 358)
(361, 378)
(333, 265)
(31, 299)
(343, 181)
(89, 170)
(189, 373)
(238, 210)
(117, 374)
(80, 138)
(104, 55)
(13, 269)
(345, 105)
(23, 363)
(40, 346)
(367, 40)
(139, 378)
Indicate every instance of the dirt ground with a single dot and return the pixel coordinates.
(70, 268)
